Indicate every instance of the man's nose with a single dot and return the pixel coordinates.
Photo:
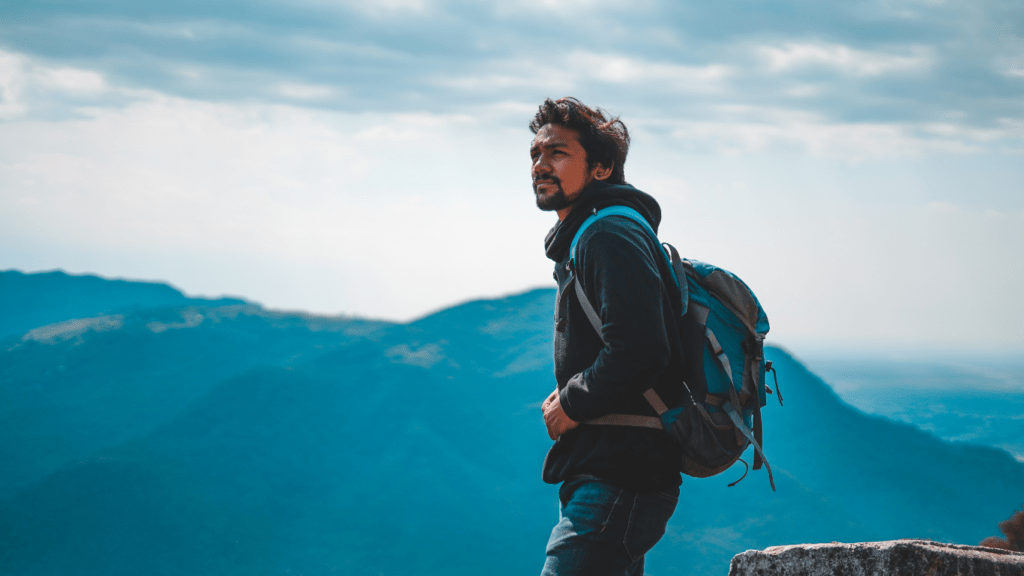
(541, 166)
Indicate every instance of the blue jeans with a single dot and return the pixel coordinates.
(605, 530)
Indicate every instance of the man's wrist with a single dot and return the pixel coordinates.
(563, 399)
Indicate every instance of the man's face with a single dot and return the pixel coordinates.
(560, 168)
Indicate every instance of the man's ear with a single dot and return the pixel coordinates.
(602, 172)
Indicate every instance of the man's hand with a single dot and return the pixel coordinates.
(555, 419)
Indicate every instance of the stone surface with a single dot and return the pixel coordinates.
(892, 558)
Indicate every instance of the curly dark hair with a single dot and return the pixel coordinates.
(605, 139)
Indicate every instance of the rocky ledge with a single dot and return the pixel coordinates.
(892, 558)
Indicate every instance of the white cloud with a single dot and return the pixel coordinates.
(620, 70)
(843, 58)
(26, 83)
(72, 79)
(407, 127)
(774, 130)
(497, 75)
(378, 9)
(11, 84)
(576, 10)
(1012, 63)
(307, 91)
(578, 69)
(1005, 129)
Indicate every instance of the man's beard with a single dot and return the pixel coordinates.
(554, 201)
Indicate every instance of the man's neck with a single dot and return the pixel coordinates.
(565, 211)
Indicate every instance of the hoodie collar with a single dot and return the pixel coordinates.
(595, 196)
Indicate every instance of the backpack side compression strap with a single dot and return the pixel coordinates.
(738, 421)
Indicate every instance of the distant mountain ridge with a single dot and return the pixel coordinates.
(980, 401)
(41, 298)
(232, 440)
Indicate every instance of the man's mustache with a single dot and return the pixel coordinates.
(545, 179)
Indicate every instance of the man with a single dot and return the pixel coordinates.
(620, 484)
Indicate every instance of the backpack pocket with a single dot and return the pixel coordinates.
(707, 439)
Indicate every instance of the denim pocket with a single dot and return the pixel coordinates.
(647, 522)
(591, 504)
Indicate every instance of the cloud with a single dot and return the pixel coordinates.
(388, 8)
(940, 71)
(11, 79)
(306, 91)
(844, 59)
(21, 81)
(847, 62)
(635, 71)
(764, 129)
(582, 70)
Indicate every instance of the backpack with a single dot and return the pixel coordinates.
(721, 328)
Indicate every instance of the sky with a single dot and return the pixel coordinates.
(859, 164)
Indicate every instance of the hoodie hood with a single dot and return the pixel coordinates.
(595, 196)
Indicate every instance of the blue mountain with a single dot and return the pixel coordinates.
(32, 300)
(249, 442)
(80, 385)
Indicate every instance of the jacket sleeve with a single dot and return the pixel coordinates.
(617, 265)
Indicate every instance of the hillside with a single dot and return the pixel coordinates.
(70, 389)
(231, 440)
(33, 300)
(978, 400)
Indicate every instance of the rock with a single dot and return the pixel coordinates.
(892, 558)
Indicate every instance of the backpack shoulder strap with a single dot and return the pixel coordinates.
(595, 320)
(626, 212)
(588, 308)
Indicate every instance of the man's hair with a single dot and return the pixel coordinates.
(604, 139)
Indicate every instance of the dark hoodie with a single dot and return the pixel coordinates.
(621, 269)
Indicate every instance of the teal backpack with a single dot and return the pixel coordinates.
(721, 328)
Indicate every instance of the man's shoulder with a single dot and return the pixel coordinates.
(613, 231)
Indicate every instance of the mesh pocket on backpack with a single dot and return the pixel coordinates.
(707, 447)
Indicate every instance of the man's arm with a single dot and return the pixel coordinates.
(621, 279)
